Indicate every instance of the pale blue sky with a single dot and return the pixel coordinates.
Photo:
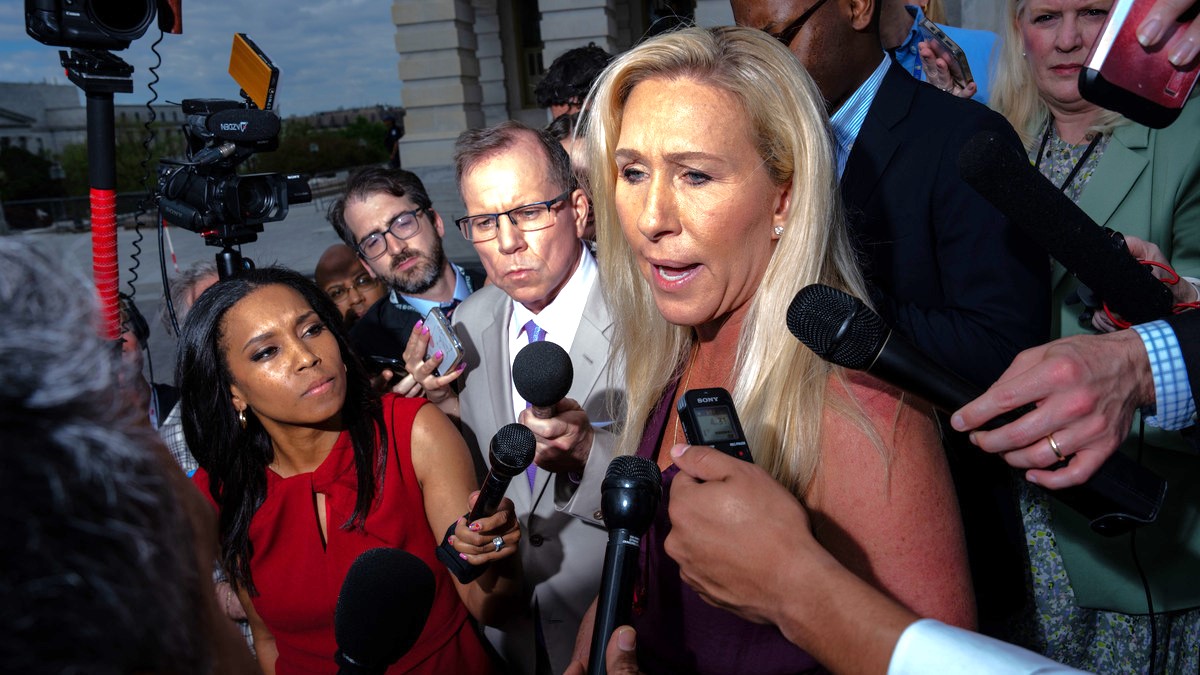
(330, 53)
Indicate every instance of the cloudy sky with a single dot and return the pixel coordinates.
(331, 53)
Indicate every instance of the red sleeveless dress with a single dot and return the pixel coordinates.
(298, 577)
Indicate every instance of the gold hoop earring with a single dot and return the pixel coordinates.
(242, 418)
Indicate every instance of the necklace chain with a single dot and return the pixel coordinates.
(687, 378)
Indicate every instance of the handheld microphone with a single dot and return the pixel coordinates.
(1004, 177)
(381, 610)
(511, 452)
(542, 374)
(839, 328)
(629, 498)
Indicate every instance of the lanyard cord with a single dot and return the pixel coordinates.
(1078, 163)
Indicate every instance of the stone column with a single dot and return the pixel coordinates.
(440, 72)
(711, 13)
(491, 61)
(567, 24)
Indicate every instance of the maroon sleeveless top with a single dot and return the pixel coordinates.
(677, 631)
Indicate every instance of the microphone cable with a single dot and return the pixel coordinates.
(141, 210)
(1137, 564)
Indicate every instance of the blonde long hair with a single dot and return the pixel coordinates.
(1014, 92)
(779, 385)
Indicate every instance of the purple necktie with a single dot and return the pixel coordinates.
(534, 333)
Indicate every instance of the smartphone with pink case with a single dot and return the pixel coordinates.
(1122, 75)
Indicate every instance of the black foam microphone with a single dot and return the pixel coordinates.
(1003, 175)
(381, 610)
(629, 499)
(244, 126)
(839, 328)
(511, 452)
(542, 373)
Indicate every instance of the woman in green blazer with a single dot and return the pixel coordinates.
(1090, 605)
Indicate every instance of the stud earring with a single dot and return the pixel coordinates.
(778, 230)
(242, 418)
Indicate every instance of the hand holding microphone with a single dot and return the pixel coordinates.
(491, 525)
(629, 499)
(1004, 176)
(543, 374)
(842, 330)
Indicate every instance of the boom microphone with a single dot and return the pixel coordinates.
(381, 610)
(629, 498)
(842, 330)
(1003, 175)
(511, 452)
(542, 373)
(228, 121)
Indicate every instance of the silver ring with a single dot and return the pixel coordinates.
(1055, 449)
(498, 542)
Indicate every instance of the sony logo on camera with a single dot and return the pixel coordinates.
(708, 399)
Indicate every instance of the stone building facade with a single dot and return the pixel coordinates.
(45, 118)
(471, 63)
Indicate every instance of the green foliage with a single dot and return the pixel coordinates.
(23, 175)
(303, 149)
(358, 144)
(129, 157)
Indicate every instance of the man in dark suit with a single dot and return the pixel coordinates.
(949, 271)
(945, 267)
(386, 216)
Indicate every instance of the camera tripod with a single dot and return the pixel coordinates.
(100, 74)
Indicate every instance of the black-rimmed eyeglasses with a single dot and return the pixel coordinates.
(789, 33)
(526, 218)
(404, 226)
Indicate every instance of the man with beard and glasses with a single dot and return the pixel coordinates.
(385, 215)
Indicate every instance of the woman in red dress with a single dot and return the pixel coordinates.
(308, 468)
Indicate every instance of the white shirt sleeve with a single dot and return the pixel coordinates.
(930, 646)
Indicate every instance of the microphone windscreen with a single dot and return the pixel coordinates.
(513, 446)
(382, 606)
(836, 326)
(630, 493)
(244, 125)
(542, 373)
(1003, 175)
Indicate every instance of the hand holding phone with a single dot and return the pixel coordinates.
(945, 50)
(442, 339)
(709, 418)
(1141, 83)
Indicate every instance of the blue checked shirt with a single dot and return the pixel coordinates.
(847, 120)
(1174, 407)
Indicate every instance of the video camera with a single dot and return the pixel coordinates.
(206, 194)
(96, 24)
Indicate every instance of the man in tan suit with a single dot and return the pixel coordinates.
(526, 217)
